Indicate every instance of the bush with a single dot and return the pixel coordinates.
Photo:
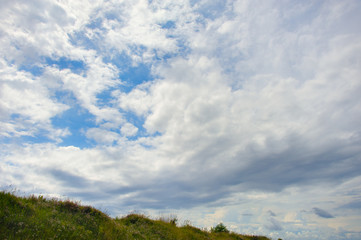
(219, 228)
(173, 219)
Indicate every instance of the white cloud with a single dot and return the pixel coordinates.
(102, 136)
(26, 105)
(136, 28)
(136, 101)
(129, 129)
(30, 34)
(28, 37)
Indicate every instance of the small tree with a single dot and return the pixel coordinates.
(219, 228)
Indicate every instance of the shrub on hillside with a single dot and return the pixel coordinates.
(219, 228)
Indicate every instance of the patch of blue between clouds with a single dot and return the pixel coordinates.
(211, 9)
(142, 132)
(134, 76)
(96, 23)
(33, 69)
(130, 75)
(77, 120)
(65, 63)
(14, 116)
(138, 122)
(183, 51)
(80, 39)
(105, 98)
(112, 16)
(168, 25)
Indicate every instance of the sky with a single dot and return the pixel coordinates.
(241, 112)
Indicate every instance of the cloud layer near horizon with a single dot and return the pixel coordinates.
(245, 112)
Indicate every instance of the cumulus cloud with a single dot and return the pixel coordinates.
(26, 105)
(129, 129)
(102, 135)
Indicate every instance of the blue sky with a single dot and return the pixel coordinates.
(241, 112)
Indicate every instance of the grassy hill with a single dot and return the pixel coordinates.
(39, 218)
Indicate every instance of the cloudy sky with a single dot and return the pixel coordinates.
(241, 112)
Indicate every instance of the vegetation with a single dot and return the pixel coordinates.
(39, 218)
(219, 228)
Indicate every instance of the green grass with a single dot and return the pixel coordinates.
(39, 218)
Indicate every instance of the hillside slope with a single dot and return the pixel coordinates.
(39, 218)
